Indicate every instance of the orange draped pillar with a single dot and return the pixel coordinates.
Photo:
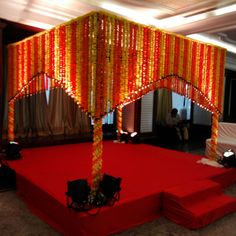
(214, 134)
(11, 134)
(97, 154)
(119, 122)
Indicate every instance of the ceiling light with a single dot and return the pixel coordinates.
(225, 10)
(212, 40)
(37, 24)
(49, 14)
(172, 22)
(179, 20)
(148, 17)
(60, 2)
(137, 16)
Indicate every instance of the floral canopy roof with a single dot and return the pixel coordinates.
(104, 62)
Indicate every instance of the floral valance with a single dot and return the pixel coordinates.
(103, 61)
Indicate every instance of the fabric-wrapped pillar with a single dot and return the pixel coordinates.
(97, 154)
(214, 134)
(11, 134)
(119, 122)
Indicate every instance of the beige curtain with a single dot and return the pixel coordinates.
(61, 116)
(164, 105)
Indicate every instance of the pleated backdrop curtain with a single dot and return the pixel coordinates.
(60, 116)
(164, 105)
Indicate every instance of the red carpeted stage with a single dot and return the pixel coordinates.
(155, 181)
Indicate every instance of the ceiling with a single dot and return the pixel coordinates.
(213, 18)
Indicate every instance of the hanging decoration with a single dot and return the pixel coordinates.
(104, 61)
(11, 120)
(97, 154)
(119, 123)
(214, 135)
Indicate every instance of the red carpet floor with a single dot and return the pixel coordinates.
(146, 171)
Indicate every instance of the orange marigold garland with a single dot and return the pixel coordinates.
(119, 122)
(214, 134)
(32, 62)
(193, 67)
(109, 63)
(73, 57)
(214, 78)
(68, 60)
(11, 134)
(181, 63)
(101, 69)
(217, 77)
(162, 58)
(138, 80)
(97, 154)
(185, 58)
(24, 64)
(52, 53)
(134, 58)
(208, 71)
(124, 62)
(41, 84)
(28, 62)
(156, 67)
(200, 77)
(85, 63)
(221, 79)
(130, 58)
(91, 83)
(117, 62)
(19, 69)
(176, 55)
(62, 55)
(35, 55)
(145, 56)
(78, 53)
(151, 45)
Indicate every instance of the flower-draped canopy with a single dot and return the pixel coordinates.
(104, 62)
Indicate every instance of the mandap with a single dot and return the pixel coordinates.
(105, 62)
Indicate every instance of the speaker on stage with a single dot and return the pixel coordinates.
(228, 159)
(77, 194)
(13, 151)
(110, 187)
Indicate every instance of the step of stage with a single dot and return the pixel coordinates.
(197, 204)
(193, 191)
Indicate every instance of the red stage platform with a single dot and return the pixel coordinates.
(148, 175)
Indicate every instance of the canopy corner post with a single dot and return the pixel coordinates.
(214, 135)
(97, 154)
(119, 122)
(11, 134)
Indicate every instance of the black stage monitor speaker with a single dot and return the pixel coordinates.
(13, 151)
(77, 194)
(228, 159)
(110, 186)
